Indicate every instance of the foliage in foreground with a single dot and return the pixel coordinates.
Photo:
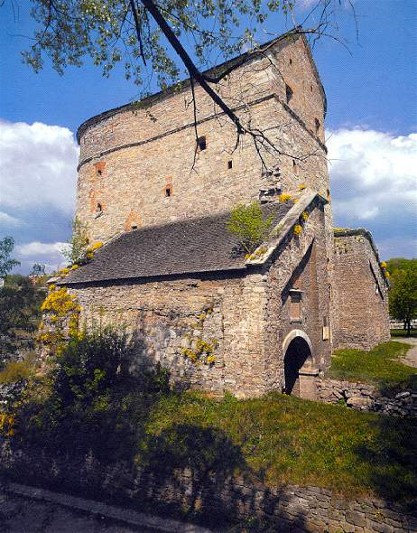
(20, 302)
(91, 406)
(380, 366)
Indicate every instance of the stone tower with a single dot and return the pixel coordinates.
(143, 164)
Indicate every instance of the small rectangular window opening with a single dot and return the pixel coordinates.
(168, 191)
(230, 164)
(201, 143)
(295, 304)
(288, 93)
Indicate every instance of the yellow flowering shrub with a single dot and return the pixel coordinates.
(302, 186)
(304, 216)
(7, 425)
(61, 318)
(284, 197)
(297, 229)
(95, 246)
(383, 264)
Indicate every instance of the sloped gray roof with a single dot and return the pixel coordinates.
(183, 247)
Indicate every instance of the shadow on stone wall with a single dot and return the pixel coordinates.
(98, 444)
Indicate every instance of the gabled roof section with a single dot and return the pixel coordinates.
(281, 230)
(188, 246)
(227, 66)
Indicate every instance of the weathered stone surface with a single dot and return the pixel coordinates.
(360, 300)
(366, 397)
(271, 326)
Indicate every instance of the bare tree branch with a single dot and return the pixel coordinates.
(188, 62)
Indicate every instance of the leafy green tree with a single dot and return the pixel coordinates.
(127, 31)
(6, 263)
(38, 270)
(141, 34)
(249, 226)
(20, 313)
(403, 293)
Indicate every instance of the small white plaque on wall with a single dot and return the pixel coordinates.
(326, 333)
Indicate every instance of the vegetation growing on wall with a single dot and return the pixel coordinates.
(199, 350)
(61, 313)
(248, 224)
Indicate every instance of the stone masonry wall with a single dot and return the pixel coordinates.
(217, 498)
(366, 397)
(166, 317)
(139, 165)
(360, 303)
(302, 263)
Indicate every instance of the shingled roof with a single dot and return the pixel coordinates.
(183, 247)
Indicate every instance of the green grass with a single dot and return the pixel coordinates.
(403, 333)
(380, 366)
(284, 440)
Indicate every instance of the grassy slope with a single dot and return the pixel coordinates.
(286, 440)
(380, 366)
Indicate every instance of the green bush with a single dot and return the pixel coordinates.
(249, 226)
(90, 365)
(15, 371)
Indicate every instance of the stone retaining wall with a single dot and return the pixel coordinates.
(365, 397)
(216, 499)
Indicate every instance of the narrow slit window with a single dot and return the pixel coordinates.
(99, 167)
(317, 124)
(230, 164)
(295, 304)
(201, 143)
(99, 208)
(168, 191)
(288, 93)
(294, 167)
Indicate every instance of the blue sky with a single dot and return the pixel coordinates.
(371, 128)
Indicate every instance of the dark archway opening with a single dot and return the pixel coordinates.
(296, 355)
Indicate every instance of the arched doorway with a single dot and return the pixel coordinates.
(299, 368)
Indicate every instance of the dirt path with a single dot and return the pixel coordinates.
(411, 358)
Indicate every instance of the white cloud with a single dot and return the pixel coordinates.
(38, 171)
(39, 248)
(374, 182)
(37, 167)
(48, 254)
(8, 220)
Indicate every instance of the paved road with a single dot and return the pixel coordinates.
(26, 509)
(23, 515)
